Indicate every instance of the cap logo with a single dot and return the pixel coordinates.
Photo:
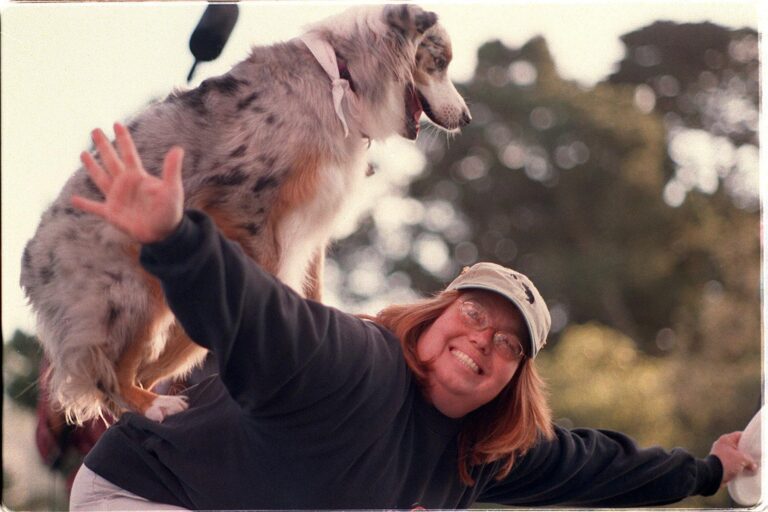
(529, 294)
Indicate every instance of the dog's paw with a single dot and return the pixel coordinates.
(164, 406)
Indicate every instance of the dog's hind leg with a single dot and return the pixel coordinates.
(178, 358)
(150, 404)
(139, 349)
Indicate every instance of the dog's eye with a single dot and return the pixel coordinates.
(440, 63)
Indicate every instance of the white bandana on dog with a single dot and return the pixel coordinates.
(326, 56)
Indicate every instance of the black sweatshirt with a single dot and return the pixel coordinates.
(315, 408)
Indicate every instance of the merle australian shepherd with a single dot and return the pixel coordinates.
(272, 149)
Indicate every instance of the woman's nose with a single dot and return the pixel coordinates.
(482, 339)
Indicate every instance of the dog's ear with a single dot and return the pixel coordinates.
(410, 21)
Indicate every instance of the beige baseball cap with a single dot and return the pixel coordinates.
(518, 289)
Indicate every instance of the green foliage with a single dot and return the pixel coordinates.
(704, 81)
(599, 379)
(693, 69)
(21, 356)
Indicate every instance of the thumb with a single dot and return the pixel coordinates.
(172, 167)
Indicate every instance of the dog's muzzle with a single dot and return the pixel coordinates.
(413, 110)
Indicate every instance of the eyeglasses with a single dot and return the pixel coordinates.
(475, 317)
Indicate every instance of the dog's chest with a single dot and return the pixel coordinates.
(308, 226)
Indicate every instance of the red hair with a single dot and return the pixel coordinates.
(504, 428)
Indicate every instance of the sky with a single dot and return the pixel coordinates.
(68, 68)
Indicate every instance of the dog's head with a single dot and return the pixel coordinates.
(437, 95)
(396, 59)
(429, 90)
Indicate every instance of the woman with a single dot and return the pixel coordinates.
(435, 405)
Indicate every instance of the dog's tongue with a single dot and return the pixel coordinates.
(412, 110)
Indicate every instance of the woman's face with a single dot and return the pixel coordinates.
(469, 366)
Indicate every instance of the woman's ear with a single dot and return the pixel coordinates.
(410, 21)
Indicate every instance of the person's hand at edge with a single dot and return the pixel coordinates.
(734, 461)
(146, 208)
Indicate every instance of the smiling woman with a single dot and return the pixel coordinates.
(467, 367)
(470, 369)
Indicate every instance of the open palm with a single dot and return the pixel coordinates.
(145, 207)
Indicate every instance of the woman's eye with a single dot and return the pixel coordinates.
(509, 344)
(475, 315)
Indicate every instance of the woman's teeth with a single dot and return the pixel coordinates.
(466, 360)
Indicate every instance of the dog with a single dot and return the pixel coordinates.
(272, 149)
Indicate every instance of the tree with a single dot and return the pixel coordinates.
(704, 80)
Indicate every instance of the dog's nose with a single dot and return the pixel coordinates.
(465, 119)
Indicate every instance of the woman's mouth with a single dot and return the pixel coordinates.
(466, 361)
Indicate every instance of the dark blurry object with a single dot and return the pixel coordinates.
(21, 358)
(211, 33)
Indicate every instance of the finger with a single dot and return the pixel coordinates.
(107, 153)
(172, 167)
(749, 463)
(87, 205)
(127, 148)
(99, 176)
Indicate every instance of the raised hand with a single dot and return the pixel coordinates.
(146, 208)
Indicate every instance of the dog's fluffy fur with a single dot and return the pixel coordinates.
(267, 158)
